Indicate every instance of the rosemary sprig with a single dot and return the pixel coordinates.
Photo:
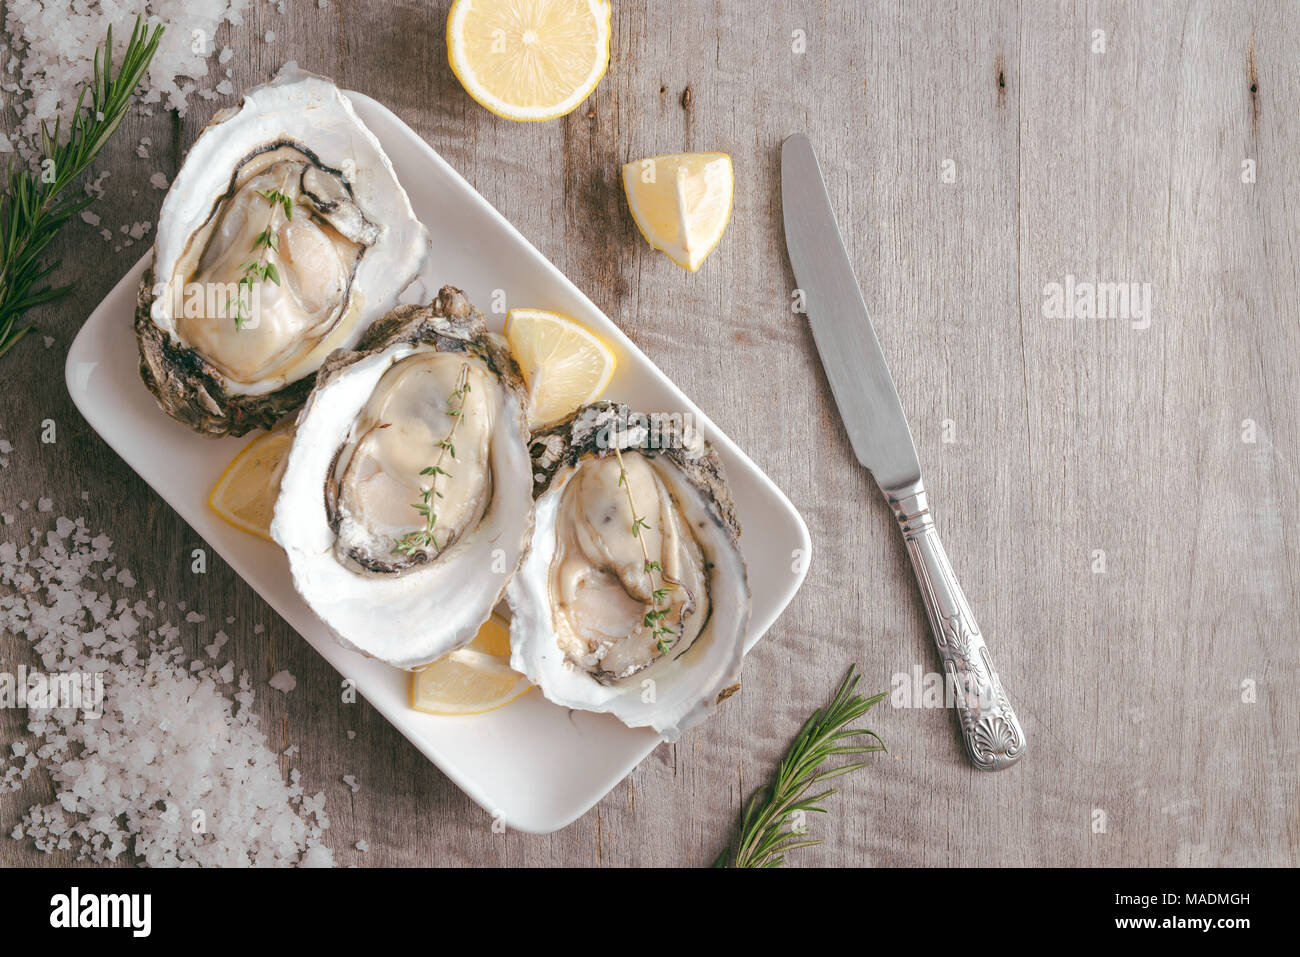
(423, 538)
(655, 617)
(31, 213)
(767, 832)
(258, 269)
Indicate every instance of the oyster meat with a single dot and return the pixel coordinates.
(285, 234)
(406, 502)
(634, 597)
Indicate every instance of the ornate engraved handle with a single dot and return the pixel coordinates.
(989, 726)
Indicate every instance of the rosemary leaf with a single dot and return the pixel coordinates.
(767, 827)
(31, 210)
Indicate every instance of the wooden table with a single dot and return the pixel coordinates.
(1120, 501)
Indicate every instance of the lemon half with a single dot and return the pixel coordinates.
(681, 202)
(565, 364)
(529, 59)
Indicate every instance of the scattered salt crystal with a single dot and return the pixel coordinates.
(362, 846)
(219, 640)
(159, 181)
(291, 751)
(96, 186)
(45, 505)
(258, 629)
(5, 447)
(168, 741)
(59, 38)
(351, 782)
(194, 617)
(270, 36)
(283, 681)
(49, 341)
(89, 218)
(351, 735)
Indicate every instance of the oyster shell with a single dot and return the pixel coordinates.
(428, 411)
(285, 234)
(634, 597)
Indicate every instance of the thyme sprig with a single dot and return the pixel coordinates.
(654, 619)
(423, 538)
(31, 212)
(768, 827)
(257, 269)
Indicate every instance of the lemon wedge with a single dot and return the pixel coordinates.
(564, 364)
(246, 492)
(529, 59)
(475, 679)
(681, 202)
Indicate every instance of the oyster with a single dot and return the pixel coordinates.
(633, 598)
(285, 234)
(406, 502)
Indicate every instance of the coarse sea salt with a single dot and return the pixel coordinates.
(172, 771)
(218, 641)
(54, 47)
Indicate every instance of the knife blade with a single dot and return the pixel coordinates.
(873, 416)
(846, 340)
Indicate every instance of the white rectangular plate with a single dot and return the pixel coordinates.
(529, 762)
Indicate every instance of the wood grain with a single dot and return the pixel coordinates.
(1045, 441)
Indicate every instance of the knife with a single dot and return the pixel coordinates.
(873, 416)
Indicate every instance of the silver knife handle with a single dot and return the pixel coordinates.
(989, 725)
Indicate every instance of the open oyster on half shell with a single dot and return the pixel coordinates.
(633, 598)
(406, 502)
(283, 236)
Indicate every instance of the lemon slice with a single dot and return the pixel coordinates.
(246, 492)
(473, 680)
(563, 362)
(529, 59)
(681, 202)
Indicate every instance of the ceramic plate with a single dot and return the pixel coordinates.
(534, 764)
